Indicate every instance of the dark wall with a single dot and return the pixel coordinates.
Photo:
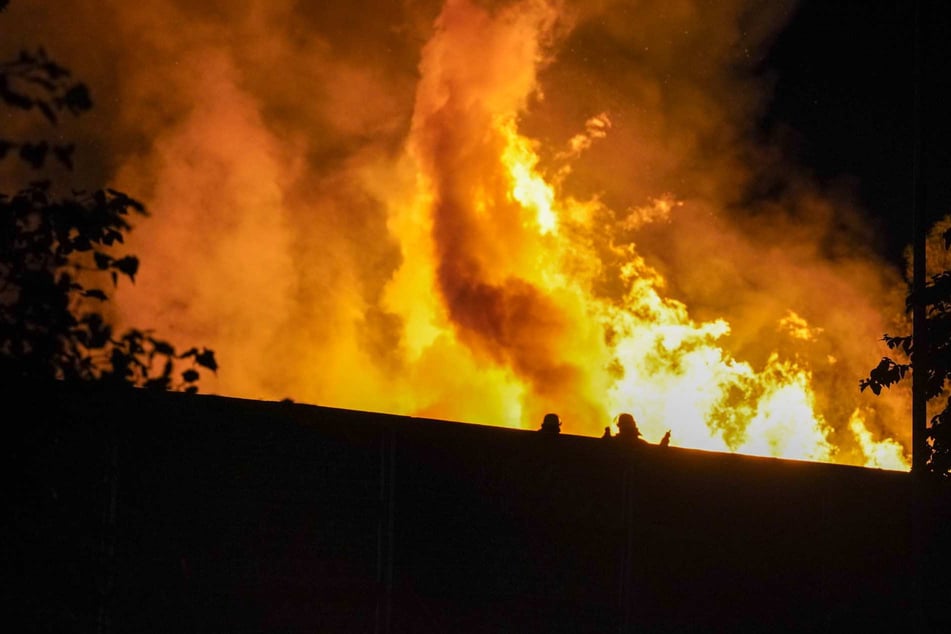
(153, 512)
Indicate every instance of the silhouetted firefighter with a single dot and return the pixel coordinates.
(627, 431)
(551, 424)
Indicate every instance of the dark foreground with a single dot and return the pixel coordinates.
(158, 512)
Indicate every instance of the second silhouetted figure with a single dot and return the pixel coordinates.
(627, 430)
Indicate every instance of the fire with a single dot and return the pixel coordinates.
(528, 188)
(529, 304)
(884, 454)
(454, 221)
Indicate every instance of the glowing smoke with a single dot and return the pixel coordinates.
(486, 211)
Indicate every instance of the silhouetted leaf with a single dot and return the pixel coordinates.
(123, 200)
(885, 374)
(129, 265)
(207, 359)
(95, 293)
(55, 71)
(163, 347)
(904, 343)
(82, 243)
(47, 111)
(190, 376)
(14, 98)
(103, 260)
(77, 99)
(111, 236)
(100, 331)
(34, 154)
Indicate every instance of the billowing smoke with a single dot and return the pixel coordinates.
(485, 211)
(476, 221)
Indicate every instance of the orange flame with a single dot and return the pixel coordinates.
(522, 293)
(502, 223)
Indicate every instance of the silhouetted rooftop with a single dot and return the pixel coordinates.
(171, 512)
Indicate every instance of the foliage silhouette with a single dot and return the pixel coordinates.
(55, 250)
(936, 297)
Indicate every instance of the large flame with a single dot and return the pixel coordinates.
(473, 212)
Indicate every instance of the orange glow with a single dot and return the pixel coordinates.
(528, 188)
(472, 216)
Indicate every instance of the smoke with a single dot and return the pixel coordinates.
(472, 210)
(476, 223)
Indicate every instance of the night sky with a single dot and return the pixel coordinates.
(844, 96)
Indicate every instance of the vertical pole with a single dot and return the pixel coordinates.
(920, 351)
(920, 362)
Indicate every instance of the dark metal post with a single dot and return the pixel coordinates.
(920, 363)
(921, 353)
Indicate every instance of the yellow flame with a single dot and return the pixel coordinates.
(882, 454)
(797, 327)
(662, 365)
(528, 187)
(636, 351)
(473, 273)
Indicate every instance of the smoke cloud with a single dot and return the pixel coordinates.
(485, 211)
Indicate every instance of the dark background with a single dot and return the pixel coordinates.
(844, 93)
(147, 511)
